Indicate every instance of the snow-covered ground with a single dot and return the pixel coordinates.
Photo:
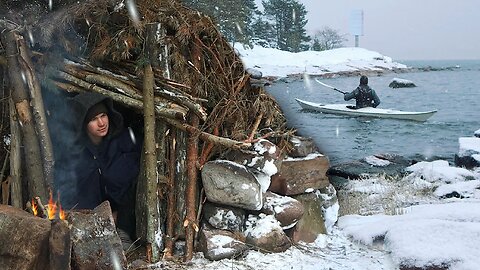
(384, 223)
(276, 63)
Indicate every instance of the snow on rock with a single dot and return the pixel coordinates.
(330, 206)
(468, 146)
(467, 189)
(438, 171)
(477, 133)
(432, 234)
(265, 233)
(308, 157)
(229, 183)
(286, 209)
(219, 244)
(401, 83)
(224, 217)
(375, 161)
(257, 226)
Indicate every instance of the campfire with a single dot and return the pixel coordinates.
(51, 211)
(83, 239)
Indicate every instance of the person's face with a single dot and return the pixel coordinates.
(97, 128)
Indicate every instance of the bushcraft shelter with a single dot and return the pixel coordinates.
(169, 71)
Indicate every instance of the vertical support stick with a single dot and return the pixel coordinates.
(150, 164)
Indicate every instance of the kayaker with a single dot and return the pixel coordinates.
(364, 95)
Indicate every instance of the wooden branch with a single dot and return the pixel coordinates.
(255, 127)
(150, 165)
(103, 79)
(32, 153)
(226, 142)
(41, 211)
(121, 86)
(38, 109)
(5, 185)
(15, 159)
(191, 191)
(170, 226)
(162, 110)
(206, 150)
(68, 87)
(184, 101)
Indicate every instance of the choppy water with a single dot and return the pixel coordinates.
(454, 93)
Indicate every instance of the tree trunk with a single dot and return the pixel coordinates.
(171, 217)
(150, 167)
(15, 159)
(180, 181)
(191, 193)
(32, 153)
(36, 101)
(192, 158)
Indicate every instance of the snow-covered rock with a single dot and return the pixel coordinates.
(401, 83)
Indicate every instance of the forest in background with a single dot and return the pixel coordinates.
(281, 24)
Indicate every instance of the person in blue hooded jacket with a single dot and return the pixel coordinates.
(363, 95)
(107, 154)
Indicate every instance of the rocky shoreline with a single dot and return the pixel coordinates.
(378, 71)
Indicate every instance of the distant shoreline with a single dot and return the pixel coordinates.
(355, 73)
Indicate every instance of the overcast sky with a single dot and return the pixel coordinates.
(404, 29)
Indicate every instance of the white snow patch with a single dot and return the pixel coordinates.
(261, 225)
(468, 146)
(308, 157)
(375, 161)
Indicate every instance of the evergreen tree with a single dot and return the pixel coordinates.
(289, 20)
(264, 32)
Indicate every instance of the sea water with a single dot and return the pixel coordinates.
(454, 92)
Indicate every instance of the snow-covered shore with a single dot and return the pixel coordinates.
(412, 222)
(276, 63)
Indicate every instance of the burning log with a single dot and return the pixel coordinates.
(38, 209)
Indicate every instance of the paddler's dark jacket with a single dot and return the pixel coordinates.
(364, 96)
(105, 171)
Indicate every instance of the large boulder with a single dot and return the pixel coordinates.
(229, 183)
(469, 152)
(265, 234)
(312, 222)
(286, 210)
(300, 175)
(96, 244)
(24, 240)
(379, 164)
(265, 157)
(219, 244)
(302, 146)
(224, 217)
(401, 83)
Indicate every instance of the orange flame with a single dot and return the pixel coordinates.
(34, 208)
(52, 207)
(61, 213)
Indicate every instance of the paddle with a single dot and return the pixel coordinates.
(329, 86)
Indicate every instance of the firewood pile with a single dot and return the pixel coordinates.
(158, 59)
